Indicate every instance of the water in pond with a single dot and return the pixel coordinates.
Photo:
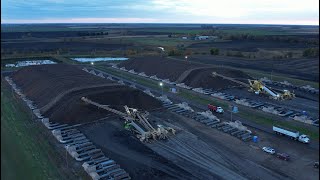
(30, 63)
(100, 59)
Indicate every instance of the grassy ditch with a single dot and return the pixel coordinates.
(26, 152)
(148, 83)
(202, 100)
(270, 122)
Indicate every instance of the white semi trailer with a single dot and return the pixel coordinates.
(292, 134)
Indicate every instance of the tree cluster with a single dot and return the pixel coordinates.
(92, 33)
(311, 52)
(174, 52)
(214, 51)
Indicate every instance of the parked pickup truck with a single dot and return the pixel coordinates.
(216, 109)
(292, 134)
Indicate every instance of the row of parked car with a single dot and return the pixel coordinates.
(283, 156)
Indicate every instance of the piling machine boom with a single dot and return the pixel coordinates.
(258, 87)
(145, 131)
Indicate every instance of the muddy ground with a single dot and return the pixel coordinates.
(72, 110)
(191, 74)
(178, 157)
(162, 67)
(137, 159)
(249, 157)
(203, 78)
(43, 83)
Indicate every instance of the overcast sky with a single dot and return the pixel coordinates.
(304, 12)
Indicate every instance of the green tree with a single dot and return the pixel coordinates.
(214, 51)
(311, 52)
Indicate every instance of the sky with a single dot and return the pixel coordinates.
(300, 12)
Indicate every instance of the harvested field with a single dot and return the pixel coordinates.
(306, 69)
(44, 83)
(249, 45)
(72, 110)
(70, 46)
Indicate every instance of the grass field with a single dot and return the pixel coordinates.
(26, 152)
(152, 41)
(174, 30)
(269, 121)
(270, 31)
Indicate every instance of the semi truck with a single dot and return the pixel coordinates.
(216, 109)
(292, 134)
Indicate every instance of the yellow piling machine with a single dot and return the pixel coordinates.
(258, 87)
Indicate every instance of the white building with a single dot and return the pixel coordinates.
(184, 37)
(201, 37)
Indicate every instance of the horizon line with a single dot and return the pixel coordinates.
(180, 23)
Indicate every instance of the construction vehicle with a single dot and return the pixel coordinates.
(258, 87)
(137, 122)
(216, 109)
(292, 134)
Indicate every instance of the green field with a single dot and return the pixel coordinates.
(26, 152)
(155, 41)
(173, 30)
(260, 119)
(269, 31)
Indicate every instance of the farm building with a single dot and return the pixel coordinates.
(201, 37)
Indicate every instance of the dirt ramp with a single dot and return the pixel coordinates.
(43, 83)
(203, 78)
(72, 110)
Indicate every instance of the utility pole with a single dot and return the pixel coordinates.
(161, 84)
(231, 116)
(67, 158)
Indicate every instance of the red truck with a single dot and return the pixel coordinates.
(216, 109)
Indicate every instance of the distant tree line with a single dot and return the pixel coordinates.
(289, 39)
(92, 33)
(206, 26)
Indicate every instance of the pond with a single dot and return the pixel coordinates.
(100, 59)
(30, 63)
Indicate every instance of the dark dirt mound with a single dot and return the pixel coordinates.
(136, 158)
(164, 68)
(43, 83)
(70, 109)
(203, 78)
(192, 74)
